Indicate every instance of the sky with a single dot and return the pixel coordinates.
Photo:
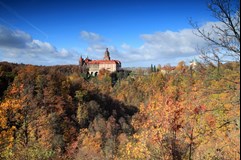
(137, 32)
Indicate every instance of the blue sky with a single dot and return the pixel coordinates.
(137, 32)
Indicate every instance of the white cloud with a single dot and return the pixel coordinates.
(64, 53)
(96, 48)
(91, 37)
(18, 46)
(166, 46)
(13, 39)
(159, 47)
(170, 44)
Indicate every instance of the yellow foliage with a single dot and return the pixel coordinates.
(135, 150)
(90, 147)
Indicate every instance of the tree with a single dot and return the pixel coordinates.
(223, 37)
(154, 68)
(181, 66)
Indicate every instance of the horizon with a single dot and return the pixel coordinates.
(138, 33)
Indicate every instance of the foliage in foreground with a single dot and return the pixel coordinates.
(53, 113)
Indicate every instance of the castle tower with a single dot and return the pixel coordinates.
(107, 55)
(81, 61)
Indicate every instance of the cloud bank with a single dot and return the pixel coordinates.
(91, 37)
(157, 48)
(18, 46)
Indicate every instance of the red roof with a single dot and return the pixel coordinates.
(104, 62)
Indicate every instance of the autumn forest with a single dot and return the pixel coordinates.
(54, 113)
(167, 113)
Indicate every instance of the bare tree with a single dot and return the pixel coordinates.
(223, 37)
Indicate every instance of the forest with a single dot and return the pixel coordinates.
(182, 112)
(54, 113)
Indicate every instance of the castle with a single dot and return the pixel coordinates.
(93, 67)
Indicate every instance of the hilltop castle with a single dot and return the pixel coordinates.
(94, 66)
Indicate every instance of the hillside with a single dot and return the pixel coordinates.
(54, 113)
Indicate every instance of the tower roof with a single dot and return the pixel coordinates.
(81, 57)
(107, 55)
(107, 51)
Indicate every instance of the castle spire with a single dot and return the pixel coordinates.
(81, 61)
(107, 55)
